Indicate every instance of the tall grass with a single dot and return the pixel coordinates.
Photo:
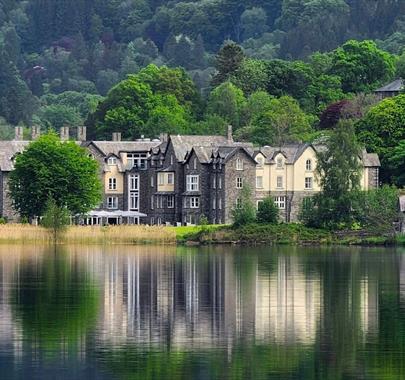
(25, 233)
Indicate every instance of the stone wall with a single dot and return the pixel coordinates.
(8, 211)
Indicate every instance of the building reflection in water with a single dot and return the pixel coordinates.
(189, 299)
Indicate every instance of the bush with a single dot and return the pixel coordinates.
(55, 219)
(268, 211)
(244, 212)
(3, 220)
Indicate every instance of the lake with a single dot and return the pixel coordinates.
(92, 312)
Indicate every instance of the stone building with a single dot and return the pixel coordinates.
(391, 89)
(288, 175)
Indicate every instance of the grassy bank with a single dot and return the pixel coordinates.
(255, 234)
(27, 234)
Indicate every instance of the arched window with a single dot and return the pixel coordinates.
(308, 165)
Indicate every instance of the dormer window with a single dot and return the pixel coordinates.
(112, 161)
(260, 161)
(308, 165)
(239, 164)
(280, 163)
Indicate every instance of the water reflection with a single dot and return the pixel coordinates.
(153, 312)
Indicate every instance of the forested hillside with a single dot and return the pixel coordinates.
(277, 70)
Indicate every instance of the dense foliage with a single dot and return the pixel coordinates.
(50, 168)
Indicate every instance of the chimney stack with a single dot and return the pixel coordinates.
(230, 134)
(35, 132)
(164, 137)
(64, 133)
(81, 134)
(116, 136)
(19, 133)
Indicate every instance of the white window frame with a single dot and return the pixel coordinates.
(112, 161)
(192, 182)
(138, 159)
(308, 165)
(194, 202)
(309, 183)
(133, 182)
(170, 201)
(152, 181)
(239, 182)
(161, 201)
(170, 178)
(239, 164)
(161, 179)
(219, 203)
(258, 203)
(112, 183)
(195, 164)
(214, 182)
(259, 184)
(280, 202)
(280, 163)
(219, 182)
(112, 203)
(134, 201)
(238, 202)
(214, 203)
(152, 202)
(279, 182)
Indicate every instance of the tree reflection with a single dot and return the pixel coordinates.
(56, 302)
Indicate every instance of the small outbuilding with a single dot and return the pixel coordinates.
(391, 89)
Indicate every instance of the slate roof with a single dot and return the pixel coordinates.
(290, 151)
(8, 150)
(395, 86)
(370, 159)
(182, 144)
(115, 147)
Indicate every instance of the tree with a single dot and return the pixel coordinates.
(228, 102)
(50, 168)
(362, 66)
(268, 211)
(244, 212)
(228, 60)
(396, 162)
(55, 219)
(382, 129)
(253, 22)
(338, 171)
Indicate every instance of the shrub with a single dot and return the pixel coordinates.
(244, 212)
(268, 211)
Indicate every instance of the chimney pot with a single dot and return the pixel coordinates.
(35, 132)
(64, 133)
(230, 134)
(116, 136)
(19, 133)
(81, 134)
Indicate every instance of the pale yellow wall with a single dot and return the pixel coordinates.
(364, 179)
(166, 187)
(300, 172)
(120, 180)
(264, 172)
(284, 172)
(124, 159)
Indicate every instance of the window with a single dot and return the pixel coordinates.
(220, 182)
(112, 183)
(239, 182)
(214, 203)
(195, 163)
(161, 178)
(161, 201)
(260, 161)
(238, 203)
(159, 221)
(133, 182)
(259, 182)
(214, 182)
(220, 203)
(279, 182)
(280, 163)
(308, 183)
(170, 179)
(192, 182)
(152, 202)
(308, 165)
(138, 159)
(194, 202)
(112, 202)
(239, 164)
(258, 203)
(152, 221)
(307, 203)
(280, 202)
(134, 201)
(151, 181)
(170, 201)
(171, 160)
(112, 161)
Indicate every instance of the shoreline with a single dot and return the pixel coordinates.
(249, 235)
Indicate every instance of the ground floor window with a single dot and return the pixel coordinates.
(112, 202)
(194, 202)
(170, 201)
(280, 202)
(258, 203)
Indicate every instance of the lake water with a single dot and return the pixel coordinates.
(202, 313)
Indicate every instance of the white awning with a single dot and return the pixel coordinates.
(115, 214)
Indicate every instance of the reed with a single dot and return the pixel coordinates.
(142, 234)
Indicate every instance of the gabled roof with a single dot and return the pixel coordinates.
(8, 150)
(370, 159)
(291, 152)
(116, 147)
(182, 144)
(396, 86)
